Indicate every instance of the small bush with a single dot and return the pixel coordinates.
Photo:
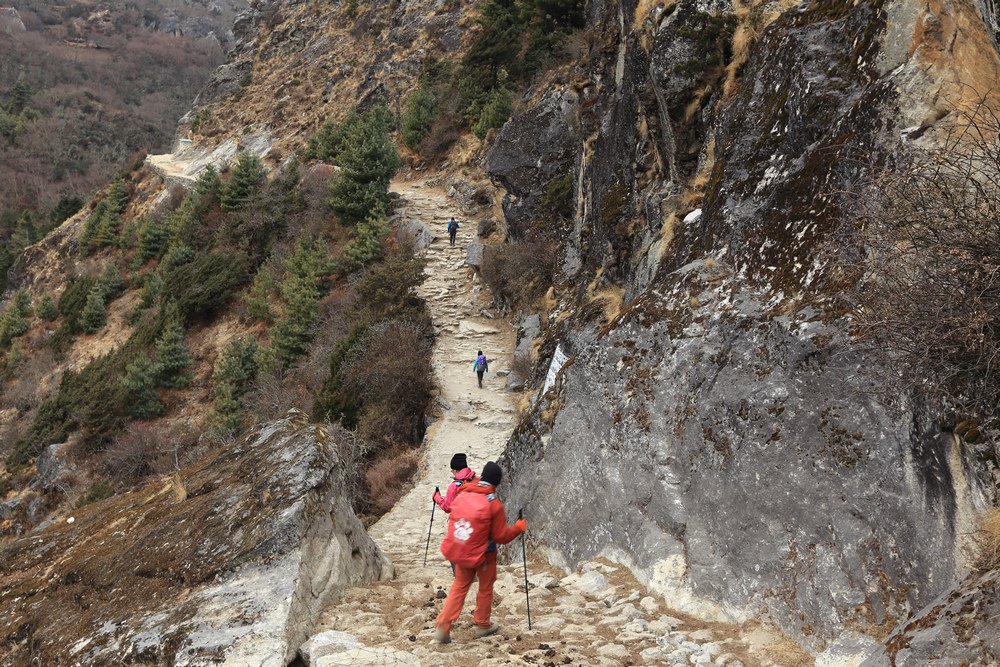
(389, 370)
(388, 289)
(141, 451)
(519, 272)
(97, 492)
(495, 112)
(388, 478)
(205, 285)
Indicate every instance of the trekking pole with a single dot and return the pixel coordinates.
(524, 559)
(428, 547)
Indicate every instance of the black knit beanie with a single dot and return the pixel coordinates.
(458, 462)
(492, 474)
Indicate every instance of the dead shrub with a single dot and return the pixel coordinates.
(520, 272)
(986, 542)
(388, 478)
(142, 451)
(389, 370)
(273, 396)
(521, 366)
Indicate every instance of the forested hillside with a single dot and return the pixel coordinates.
(84, 87)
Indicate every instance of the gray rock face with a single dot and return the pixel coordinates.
(229, 562)
(739, 465)
(961, 627)
(530, 151)
(720, 436)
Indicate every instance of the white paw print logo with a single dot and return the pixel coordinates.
(463, 530)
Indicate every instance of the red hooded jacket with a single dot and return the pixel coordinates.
(477, 519)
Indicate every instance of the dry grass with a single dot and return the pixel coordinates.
(388, 478)
(987, 542)
(645, 8)
(694, 194)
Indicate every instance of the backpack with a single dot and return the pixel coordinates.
(481, 364)
(468, 529)
(452, 226)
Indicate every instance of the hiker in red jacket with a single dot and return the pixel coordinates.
(476, 526)
(462, 474)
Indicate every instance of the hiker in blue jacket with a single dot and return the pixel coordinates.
(452, 230)
(481, 365)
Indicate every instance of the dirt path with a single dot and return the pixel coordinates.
(597, 616)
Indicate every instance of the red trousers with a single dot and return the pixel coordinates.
(487, 573)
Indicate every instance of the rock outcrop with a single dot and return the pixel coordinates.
(961, 627)
(724, 434)
(229, 561)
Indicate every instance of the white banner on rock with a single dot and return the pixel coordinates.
(558, 359)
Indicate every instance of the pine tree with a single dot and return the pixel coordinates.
(118, 196)
(151, 288)
(107, 231)
(244, 184)
(93, 316)
(300, 294)
(20, 97)
(91, 225)
(143, 401)
(368, 160)
(111, 282)
(418, 117)
(366, 246)
(291, 336)
(495, 113)
(259, 298)
(153, 235)
(235, 369)
(172, 358)
(22, 302)
(65, 208)
(13, 323)
(25, 232)
(182, 221)
(46, 308)
(209, 185)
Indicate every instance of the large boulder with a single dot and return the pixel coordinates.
(229, 561)
(961, 627)
(743, 465)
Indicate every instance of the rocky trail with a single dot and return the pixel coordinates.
(597, 616)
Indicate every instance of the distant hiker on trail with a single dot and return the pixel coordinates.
(462, 474)
(481, 365)
(452, 230)
(476, 526)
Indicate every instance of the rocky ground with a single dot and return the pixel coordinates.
(599, 615)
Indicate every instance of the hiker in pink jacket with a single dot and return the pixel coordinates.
(463, 475)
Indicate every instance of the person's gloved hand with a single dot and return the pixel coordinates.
(436, 496)
(521, 524)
